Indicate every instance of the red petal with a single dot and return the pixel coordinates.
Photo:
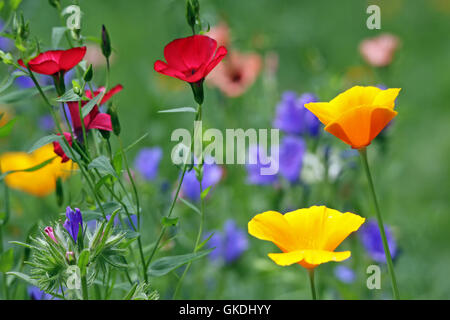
(101, 121)
(58, 149)
(164, 68)
(220, 54)
(70, 58)
(74, 114)
(111, 92)
(197, 51)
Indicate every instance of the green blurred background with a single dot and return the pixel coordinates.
(317, 46)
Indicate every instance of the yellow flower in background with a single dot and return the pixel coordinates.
(306, 236)
(40, 182)
(357, 115)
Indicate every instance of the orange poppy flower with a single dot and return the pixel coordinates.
(306, 236)
(357, 115)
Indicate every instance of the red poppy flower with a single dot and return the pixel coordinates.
(53, 62)
(95, 119)
(190, 59)
(58, 149)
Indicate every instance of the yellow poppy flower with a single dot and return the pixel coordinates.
(306, 236)
(40, 182)
(357, 115)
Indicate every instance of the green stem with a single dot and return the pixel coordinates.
(202, 218)
(312, 283)
(84, 288)
(390, 265)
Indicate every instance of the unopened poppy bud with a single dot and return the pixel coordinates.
(106, 43)
(59, 192)
(192, 12)
(88, 74)
(197, 89)
(112, 111)
(77, 88)
(49, 231)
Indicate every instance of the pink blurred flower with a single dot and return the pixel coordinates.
(379, 51)
(95, 56)
(236, 73)
(220, 33)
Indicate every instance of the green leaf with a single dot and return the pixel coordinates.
(68, 96)
(83, 261)
(9, 81)
(36, 167)
(130, 293)
(165, 265)
(44, 141)
(205, 192)
(135, 142)
(103, 165)
(204, 241)
(190, 205)
(91, 104)
(117, 162)
(21, 94)
(57, 34)
(169, 222)
(23, 244)
(24, 277)
(6, 129)
(176, 110)
(6, 260)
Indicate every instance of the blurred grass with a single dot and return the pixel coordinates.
(317, 45)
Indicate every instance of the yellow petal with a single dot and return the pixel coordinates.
(322, 228)
(386, 98)
(355, 97)
(324, 111)
(272, 226)
(286, 259)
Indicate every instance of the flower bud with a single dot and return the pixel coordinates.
(192, 12)
(49, 232)
(88, 74)
(112, 111)
(106, 43)
(77, 88)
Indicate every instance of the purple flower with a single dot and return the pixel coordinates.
(258, 159)
(292, 150)
(292, 116)
(229, 244)
(46, 123)
(6, 44)
(147, 162)
(344, 274)
(24, 82)
(371, 240)
(37, 294)
(73, 222)
(212, 173)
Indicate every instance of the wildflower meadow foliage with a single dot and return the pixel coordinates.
(299, 132)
